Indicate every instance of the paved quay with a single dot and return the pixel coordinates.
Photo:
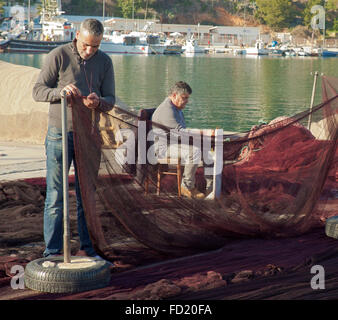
(20, 160)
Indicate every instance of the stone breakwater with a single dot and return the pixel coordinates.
(22, 119)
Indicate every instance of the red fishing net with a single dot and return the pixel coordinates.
(278, 179)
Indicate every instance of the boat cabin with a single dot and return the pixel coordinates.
(57, 30)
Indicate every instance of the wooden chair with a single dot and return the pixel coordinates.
(163, 169)
(162, 164)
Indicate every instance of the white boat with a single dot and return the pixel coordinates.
(259, 49)
(239, 51)
(191, 46)
(290, 53)
(124, 43)
(153, 40)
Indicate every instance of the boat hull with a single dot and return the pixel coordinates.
(327, 53)
(31, 46)
(110, 48)
(257, 52)
(173, 49)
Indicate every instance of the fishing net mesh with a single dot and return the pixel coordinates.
(273, 180)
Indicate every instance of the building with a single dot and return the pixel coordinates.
(215, 35)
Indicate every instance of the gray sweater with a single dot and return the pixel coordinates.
(168, 115)
(64, 66)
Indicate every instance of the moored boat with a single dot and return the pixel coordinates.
(258, 49)
(31, 46)
(124, 43)
(172, 47)
(192, 46)
(329, 53)
(54, 31)
(277, 52)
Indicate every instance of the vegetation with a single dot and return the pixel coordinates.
(1, 7)
(276, 14)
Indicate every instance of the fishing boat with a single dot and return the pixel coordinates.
(276, 52)
(124, 43)
(53, 32)
(171, 47)
(31, 46)
(239, 51)
(258, 50)
(191, 46)
(329, 53)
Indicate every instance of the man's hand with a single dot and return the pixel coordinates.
(71, 90)
(92, 101)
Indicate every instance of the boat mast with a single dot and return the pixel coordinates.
(324, 32)
(29, 13)
(103, 10)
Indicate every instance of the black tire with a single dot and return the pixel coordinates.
(331, 227)
(52, 279)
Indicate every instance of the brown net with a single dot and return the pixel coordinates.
(278, 180)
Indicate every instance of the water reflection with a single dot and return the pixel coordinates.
(230, 92)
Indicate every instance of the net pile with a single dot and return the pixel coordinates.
(273, 180)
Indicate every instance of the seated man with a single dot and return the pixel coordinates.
(169, 113)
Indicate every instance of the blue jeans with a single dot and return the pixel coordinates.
(53, 212)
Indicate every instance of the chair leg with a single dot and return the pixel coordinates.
(179, 176)
(158, 179)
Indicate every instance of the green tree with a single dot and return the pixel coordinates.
(335, 26)
(129, 6)
(275, 13)
(1, 7)
(332, 5)
(331, 8)
(307, 15)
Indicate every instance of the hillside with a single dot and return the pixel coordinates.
(195, 11)
(276, 14)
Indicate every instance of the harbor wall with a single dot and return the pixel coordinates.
(21, 118)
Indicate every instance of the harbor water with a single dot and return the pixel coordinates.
(229, 92)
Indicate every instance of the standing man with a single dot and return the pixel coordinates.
(170, 114)
(82, 71)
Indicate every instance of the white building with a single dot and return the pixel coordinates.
(215, 35)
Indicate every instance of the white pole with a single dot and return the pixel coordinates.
(103, 11)
(312, 99)
(218, 166)
(66, 233)
(133, 11)
(29, 13)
